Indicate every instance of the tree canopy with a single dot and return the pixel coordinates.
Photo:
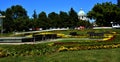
(16, 16)
(105, 13)
(18, 20)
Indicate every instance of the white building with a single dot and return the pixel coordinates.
(82, 15)
(115, 25)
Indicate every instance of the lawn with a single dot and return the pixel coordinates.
(101, 55)
(73, 50)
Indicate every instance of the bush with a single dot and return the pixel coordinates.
(3, 53)
(73, 33)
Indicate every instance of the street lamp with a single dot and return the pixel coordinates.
(1, 18)
(111, 23)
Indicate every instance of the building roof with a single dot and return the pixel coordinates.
(81, 13)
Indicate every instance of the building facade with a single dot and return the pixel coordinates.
(82, 15)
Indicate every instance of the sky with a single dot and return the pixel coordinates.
(49, 6)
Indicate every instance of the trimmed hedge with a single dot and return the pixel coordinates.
(39, 37)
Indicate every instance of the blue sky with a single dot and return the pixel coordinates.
(52, 5)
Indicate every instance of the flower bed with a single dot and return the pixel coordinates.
(75, 48)
(109, 36)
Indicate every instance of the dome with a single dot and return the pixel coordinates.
(81, 13)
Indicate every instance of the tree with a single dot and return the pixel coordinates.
(34, 15)
(34, 20)
(8, 23)
(64, 19)
(43, 20)
(54, 20)
(104, 13)
(15, 14)
(18, 11)
(2, 12)
(73, 18)
(84, 23)
(23, 24)
(118, 3)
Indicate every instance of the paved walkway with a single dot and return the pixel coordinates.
(38, 31)
(19, 43)
(46, 41)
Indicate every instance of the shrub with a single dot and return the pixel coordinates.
(27, 50)
(73, 33)
(3, 53)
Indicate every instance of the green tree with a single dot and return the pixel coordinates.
(2, 12)
(118, 3)
(8, 23)
(84, 23)
(73, 18)
(15, 14)
(104, 13)
(18, 11)
(43, 20)
(34, 20)
(54, 20)
(64, 19)
(34, 15)
(24, 24)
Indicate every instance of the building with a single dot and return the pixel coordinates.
(1, 23)
(115, 25)
(82, 15)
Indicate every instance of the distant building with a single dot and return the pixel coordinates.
(82, 15)
(115, 25)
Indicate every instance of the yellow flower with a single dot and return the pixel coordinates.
(62, 48)
(73, 48)
(105, 39)
(28, 36)
(61, 35)
(114, 32)
(51, 44)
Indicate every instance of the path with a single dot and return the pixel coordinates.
(46, 41)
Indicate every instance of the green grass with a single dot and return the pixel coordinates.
(101, 55)
(85, 31)
(74, 40)
(67, 32)
(116, 40)
(23, 59)
(6, 34)
(94, 55)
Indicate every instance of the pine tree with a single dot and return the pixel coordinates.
(34, 14)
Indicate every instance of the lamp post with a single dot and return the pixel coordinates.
(111, 23)
(1, 18)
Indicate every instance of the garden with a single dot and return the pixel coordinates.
(69, 46)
